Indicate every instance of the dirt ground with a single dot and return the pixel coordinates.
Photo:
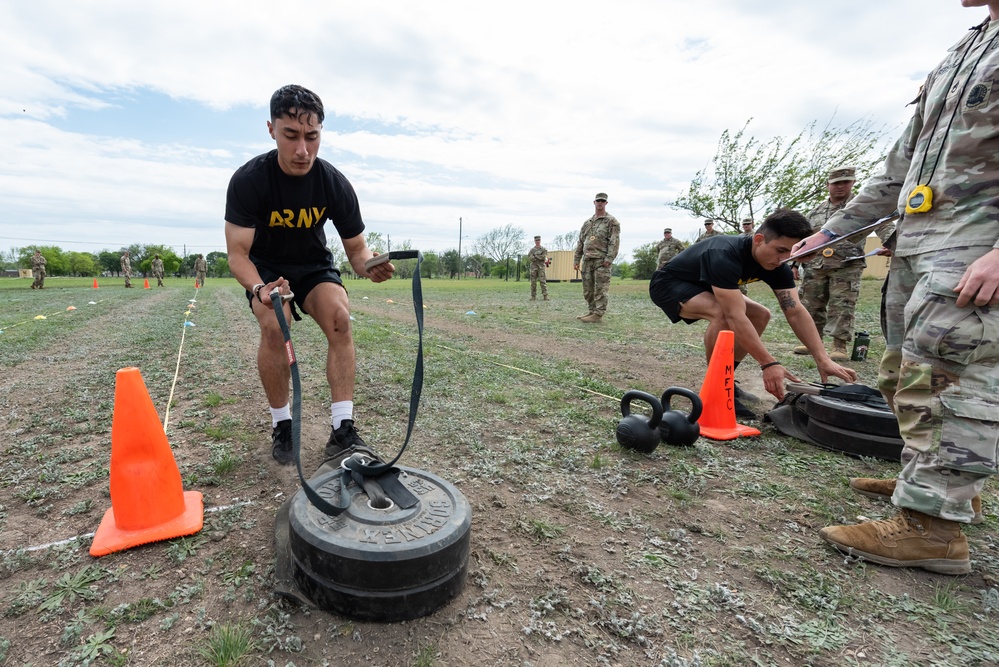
(580, 553)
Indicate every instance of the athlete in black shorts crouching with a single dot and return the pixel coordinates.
(276, 208)
(702, 283)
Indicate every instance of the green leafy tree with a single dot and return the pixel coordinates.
(218, 264)
(431, 265)
(646, 257)
(171, 262)
(749, 177)
(81, 264)
(109, 262)
(55, 260)
(449, 262)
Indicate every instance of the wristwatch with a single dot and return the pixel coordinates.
(256, 291)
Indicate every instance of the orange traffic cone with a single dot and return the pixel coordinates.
(148, 502)
(196, 285)
(95, 283)
(718, 393)
(145, 283)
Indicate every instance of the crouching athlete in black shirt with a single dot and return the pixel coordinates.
(276, 209)
(702, 283)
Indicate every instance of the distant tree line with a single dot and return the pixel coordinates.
(61, 262)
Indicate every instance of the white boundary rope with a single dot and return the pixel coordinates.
(180, 351)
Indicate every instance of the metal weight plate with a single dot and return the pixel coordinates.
(856, 416)
(382, 565)
(851, 442)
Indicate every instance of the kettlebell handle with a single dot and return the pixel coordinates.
(634, 394)
(695, 402)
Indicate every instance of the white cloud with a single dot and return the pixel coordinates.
(507, 113)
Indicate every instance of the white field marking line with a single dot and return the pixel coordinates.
(59, 543)
(176, 370)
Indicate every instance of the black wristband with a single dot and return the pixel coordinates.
(256, 291)
(764, 367)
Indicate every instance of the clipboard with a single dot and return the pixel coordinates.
(867, 228)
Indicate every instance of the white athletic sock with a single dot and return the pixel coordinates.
(280, 414)
(341, 410)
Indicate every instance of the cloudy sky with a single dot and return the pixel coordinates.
(123, 120)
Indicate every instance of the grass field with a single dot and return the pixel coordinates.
(582, 553)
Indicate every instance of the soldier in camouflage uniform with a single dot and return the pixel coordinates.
(599, 239)
(939, 372)
(126, 269)
(158, 271)
(537, 257)
(748, 227)
(709, 230)
(200, 270)
(830, 282)
(668, 248)
(38, 270)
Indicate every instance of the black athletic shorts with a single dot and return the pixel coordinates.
(301, 278)
(669, 294)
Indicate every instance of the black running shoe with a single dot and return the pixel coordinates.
(741, 394)
(281, 448)
(345, 440)
(742, 411)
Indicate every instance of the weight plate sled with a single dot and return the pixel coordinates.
(382, 565)
(847, 441)
(872, 418)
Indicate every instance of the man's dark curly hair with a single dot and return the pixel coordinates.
(301, 100)
(785, 222)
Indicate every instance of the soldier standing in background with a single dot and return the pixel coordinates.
(747, 226)
(599, 239)
(158, 272)
(538, 259)
(668, 248)
(709, 230)
(200, 270)
(126, 269)
(830, 282)
(38, 270)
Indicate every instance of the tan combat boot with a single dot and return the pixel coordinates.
(801, 349)
(839, 352)
(909, 539)
(882, 489)
(592, 317)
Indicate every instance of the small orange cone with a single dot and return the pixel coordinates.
(145, 283)
(717, 419)
(196, 285)
(148, 502)
(95, 283)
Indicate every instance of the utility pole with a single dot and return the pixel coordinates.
(459, 248)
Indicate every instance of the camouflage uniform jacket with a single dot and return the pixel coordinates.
(200, 265)
(668, 249)
(818, 217)
(965, 183)
(126, 265)
(38, 264)
(537, 256)
(707, 235)
(599, 238)
(157, 267)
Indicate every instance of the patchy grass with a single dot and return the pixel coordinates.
(582, 553)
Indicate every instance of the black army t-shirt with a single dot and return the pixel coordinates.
(289, 212)
(725, 262)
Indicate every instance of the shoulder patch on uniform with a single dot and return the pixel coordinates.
(977, 96)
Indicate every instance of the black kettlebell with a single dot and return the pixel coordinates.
(635, 431)
(676, 428)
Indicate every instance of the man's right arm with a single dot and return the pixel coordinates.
(238, 241)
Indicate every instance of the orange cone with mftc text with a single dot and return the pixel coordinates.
(148, 502)
(717, 419)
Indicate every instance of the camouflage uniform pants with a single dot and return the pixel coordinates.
(128, 278)
(596, 281)
(939, 374)
(39, 282)
(830, 297)
(201, 278)
(538, 274)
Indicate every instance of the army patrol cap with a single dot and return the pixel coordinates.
(842, 174)
(709, 221)
(668, 230)
(747, 221)
(601, 196)
(537, 238)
